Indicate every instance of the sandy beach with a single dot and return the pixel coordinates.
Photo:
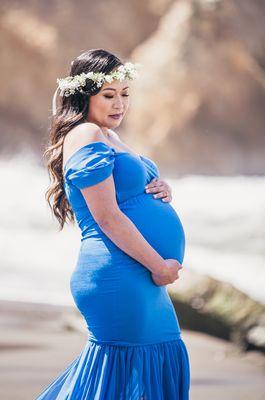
(38, 341)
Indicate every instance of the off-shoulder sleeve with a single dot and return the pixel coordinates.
(90, 165)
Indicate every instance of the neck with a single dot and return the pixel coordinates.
(105, 131)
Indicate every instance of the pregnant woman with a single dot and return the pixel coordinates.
(132, 244)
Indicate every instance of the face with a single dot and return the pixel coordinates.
(113, 99)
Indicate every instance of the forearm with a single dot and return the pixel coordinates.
(122, 231)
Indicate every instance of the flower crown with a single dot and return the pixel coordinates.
(72, 84)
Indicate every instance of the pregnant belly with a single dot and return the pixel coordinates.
(114, 292)
(159, 223)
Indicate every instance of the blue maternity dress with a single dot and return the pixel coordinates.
(134, 348)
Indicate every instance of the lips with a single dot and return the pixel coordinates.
(115, 116)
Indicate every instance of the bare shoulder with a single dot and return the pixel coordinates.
(83, 134)
(80, 136)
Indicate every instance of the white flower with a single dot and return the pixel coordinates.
(71, 84)
(108, 78)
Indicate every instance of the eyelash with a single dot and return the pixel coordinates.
(110, 97)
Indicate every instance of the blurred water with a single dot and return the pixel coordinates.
(223, 218)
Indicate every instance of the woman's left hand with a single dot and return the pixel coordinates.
(160, 189)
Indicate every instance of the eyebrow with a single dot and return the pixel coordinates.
(109, 88)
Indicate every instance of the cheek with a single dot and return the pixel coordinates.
(125, 101)
(99, 106)
(104, 104)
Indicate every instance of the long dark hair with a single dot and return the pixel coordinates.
(72, 111)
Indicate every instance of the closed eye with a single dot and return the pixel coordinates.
(111, 97)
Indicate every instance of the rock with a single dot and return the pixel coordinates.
(218, 308)
(256, 336)
(198, 105)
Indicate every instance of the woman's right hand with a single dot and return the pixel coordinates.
(169, 273)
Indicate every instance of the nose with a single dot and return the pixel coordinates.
(118, 104)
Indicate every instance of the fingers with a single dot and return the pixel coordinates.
(162, 282)
(152, 186)
(160, 188)
(164, 195)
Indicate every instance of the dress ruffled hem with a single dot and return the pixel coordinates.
(105, 371)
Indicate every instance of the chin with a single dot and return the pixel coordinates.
(115, 123)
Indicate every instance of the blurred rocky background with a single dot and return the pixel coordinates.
(198, 106)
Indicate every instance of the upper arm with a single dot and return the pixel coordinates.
(92, 172)
(101, 200)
